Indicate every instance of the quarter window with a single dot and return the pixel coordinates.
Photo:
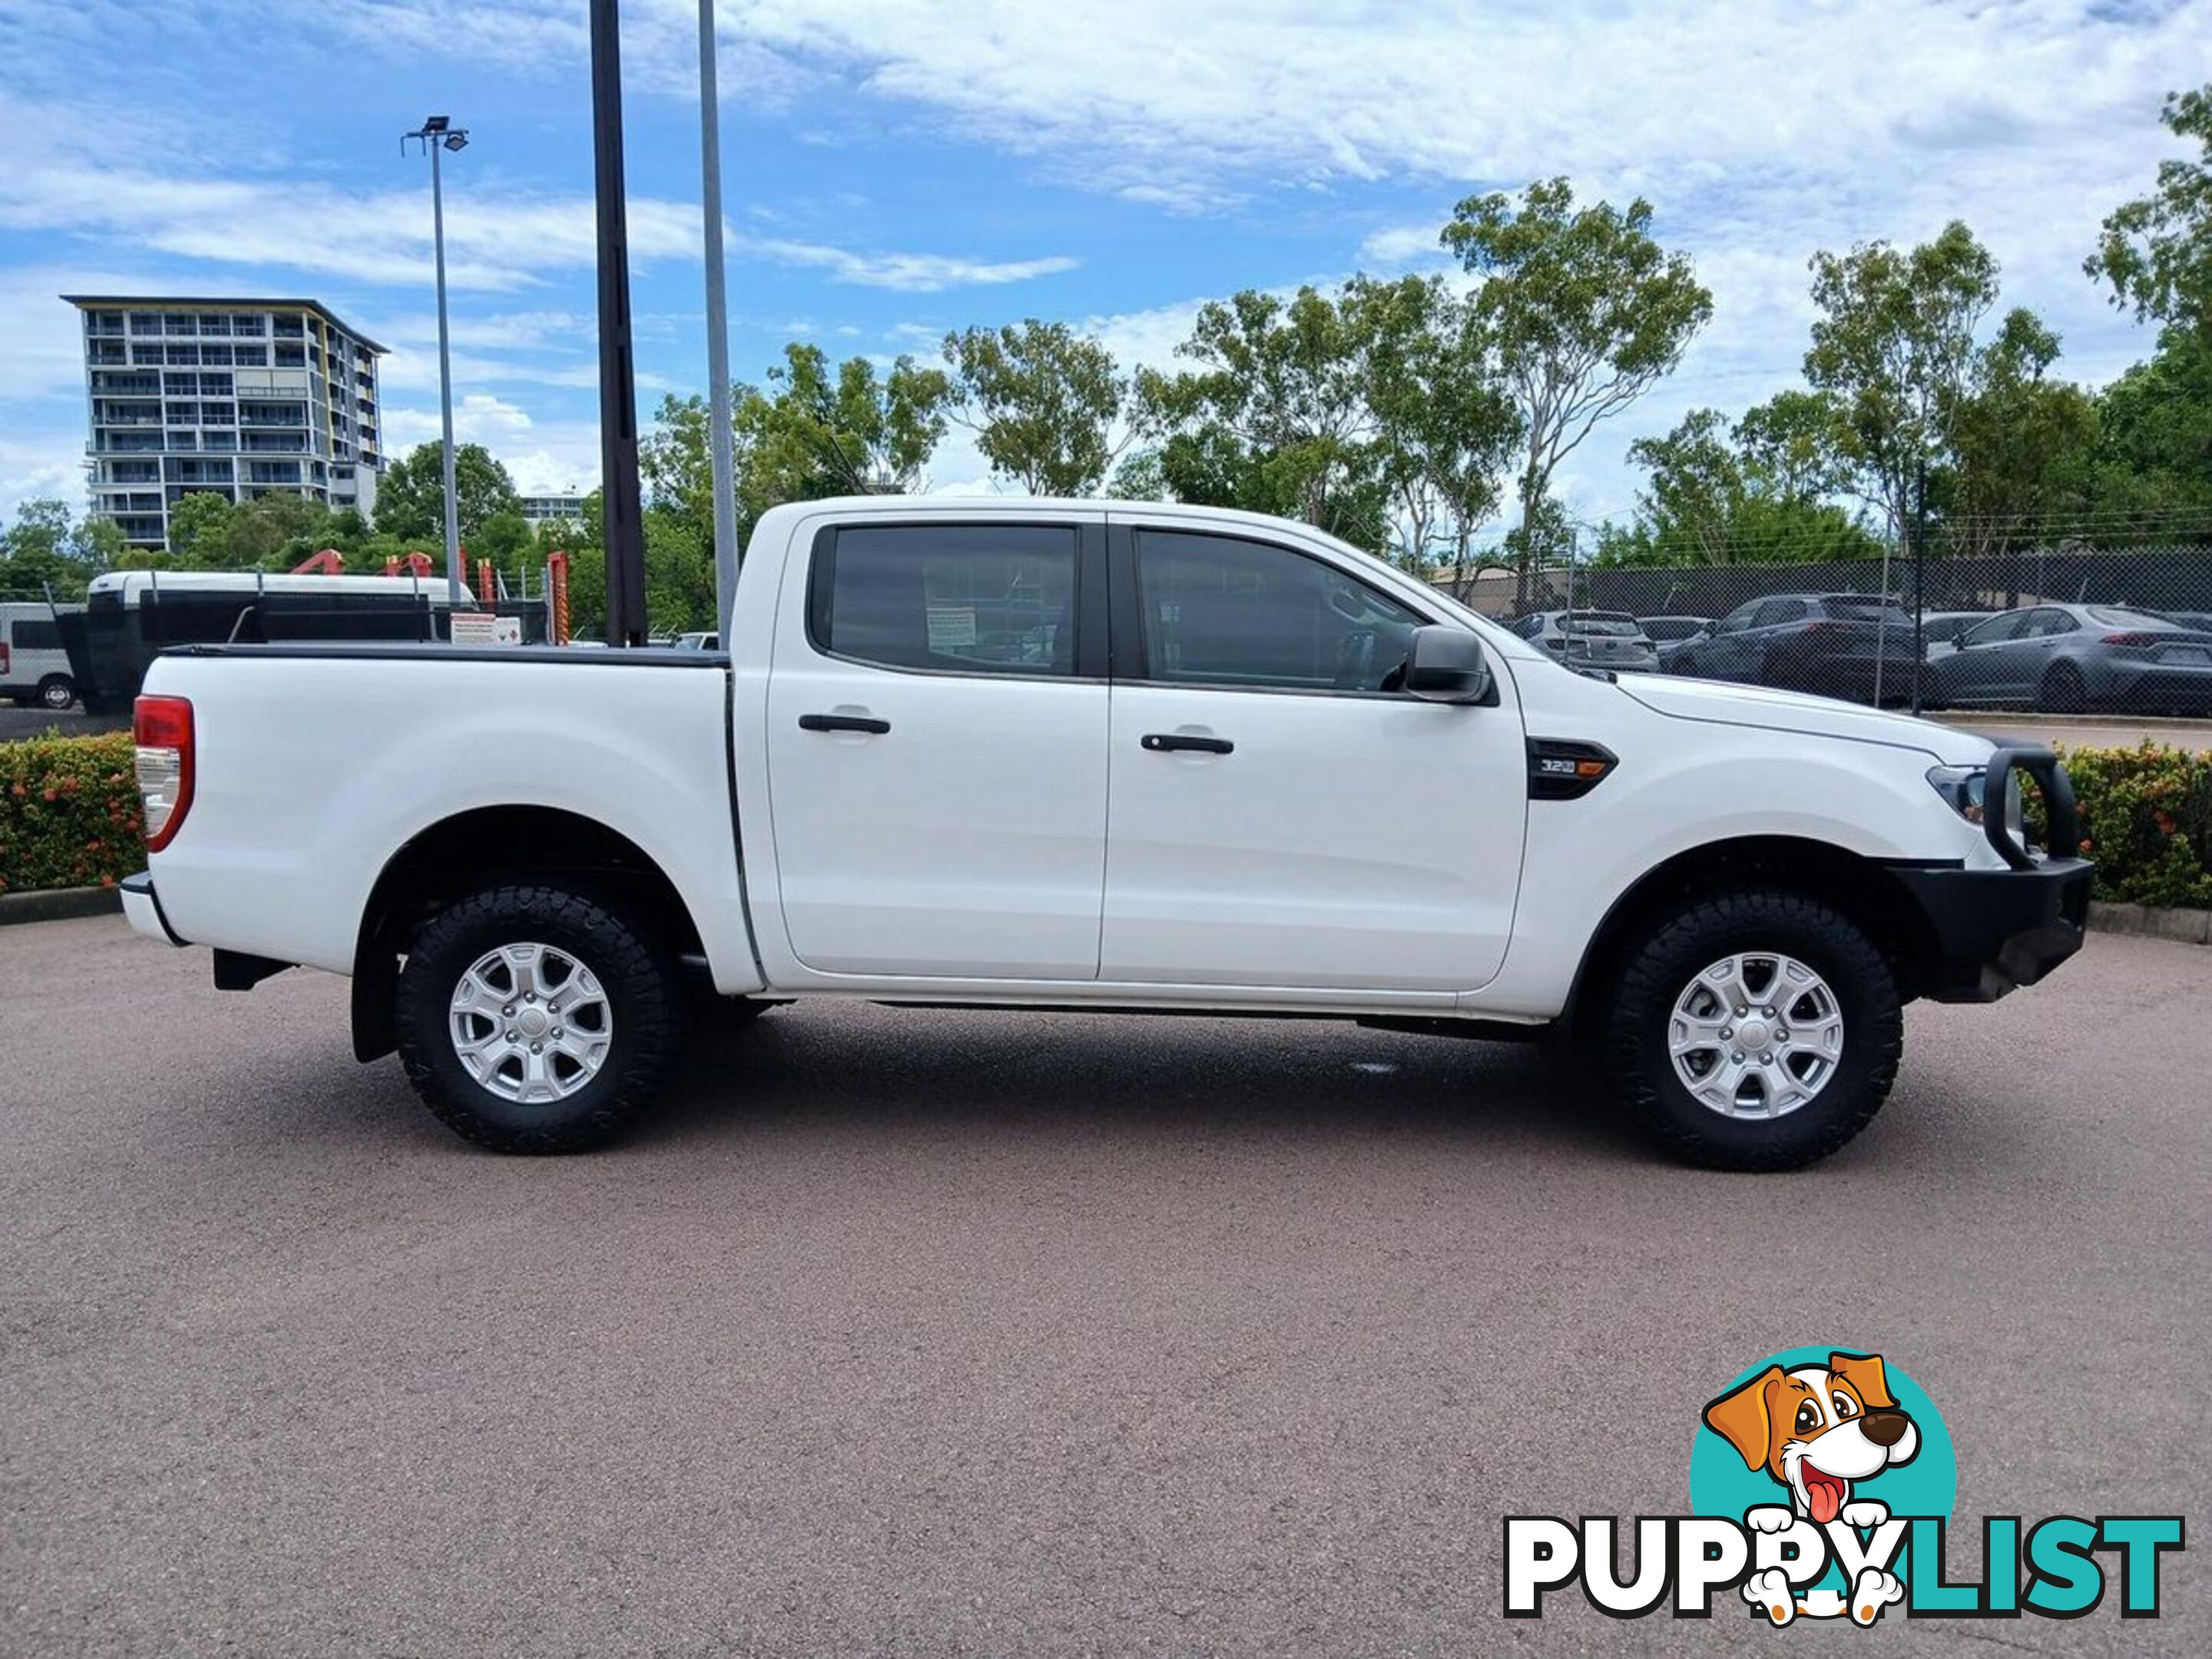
(1221, 612)
(957, 598)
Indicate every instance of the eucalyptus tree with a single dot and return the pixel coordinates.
(1445, 425)
(1588, 312)
(1046, 404)
(2156, 251)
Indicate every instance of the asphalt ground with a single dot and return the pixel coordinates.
(922, 1332)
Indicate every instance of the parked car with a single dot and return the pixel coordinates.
(1611, 640)
(700, 640)
(1825, 643)
(1670, 634)
(1335, 793)
(2069, 659)
(35, 667)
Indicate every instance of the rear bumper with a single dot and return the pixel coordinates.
(2155, 689)
(144, 910)
(1998, 930)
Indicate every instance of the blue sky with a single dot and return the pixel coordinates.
(895, 168)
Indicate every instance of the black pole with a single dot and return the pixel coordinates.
(624, 521)
(1919, 580)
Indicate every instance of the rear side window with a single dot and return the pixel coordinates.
(34, 634)
(949, 598)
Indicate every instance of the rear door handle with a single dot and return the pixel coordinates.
(1165, 743)
(843, 723)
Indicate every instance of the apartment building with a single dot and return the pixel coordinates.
(566, 508)
(242, 397)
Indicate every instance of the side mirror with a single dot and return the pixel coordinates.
(1445, 665)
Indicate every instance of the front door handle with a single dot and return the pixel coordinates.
(1165, 742)
(843, 723)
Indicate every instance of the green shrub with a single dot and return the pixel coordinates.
(69, 813)
(2147, 820)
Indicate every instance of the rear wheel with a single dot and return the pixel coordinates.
(2063, 691)
(57, 691)
(1755, 1031)
(536, 1019)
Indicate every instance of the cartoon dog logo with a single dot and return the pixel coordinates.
(1817, 1432)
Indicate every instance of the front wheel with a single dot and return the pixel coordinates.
(1758, 1029)
(536, 1019)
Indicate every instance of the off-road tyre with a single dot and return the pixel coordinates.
(1656, 972)
(637, 976)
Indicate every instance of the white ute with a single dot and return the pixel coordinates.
(1085, 754)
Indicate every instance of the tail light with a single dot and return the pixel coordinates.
(162, 728)
(2137, 639)
(1553, 642)
(3, 659)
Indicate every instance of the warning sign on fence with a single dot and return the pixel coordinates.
(483, 628)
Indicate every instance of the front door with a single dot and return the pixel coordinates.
(937, 717)
(1278, 817)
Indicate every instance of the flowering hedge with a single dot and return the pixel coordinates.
(69, 818)
(69, 813)
(2147, 820)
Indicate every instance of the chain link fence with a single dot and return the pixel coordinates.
(2066, 627)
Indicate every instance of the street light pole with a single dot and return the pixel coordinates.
(720, 439)
(438, 133)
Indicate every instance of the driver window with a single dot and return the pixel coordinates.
(1222, 611)
(1738, 619)
(1996, 629)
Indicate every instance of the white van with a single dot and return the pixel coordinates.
(33, 666)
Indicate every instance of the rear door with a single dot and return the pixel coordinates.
(1279, 819)
(936, 714)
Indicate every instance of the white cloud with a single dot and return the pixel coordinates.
(497, 237)
(542, 456)
(1397, 246)
(911, 273)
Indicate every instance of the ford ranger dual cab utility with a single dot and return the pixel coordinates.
(1091, 755)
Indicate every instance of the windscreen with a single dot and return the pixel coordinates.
(1603, 622)
(1853, 607)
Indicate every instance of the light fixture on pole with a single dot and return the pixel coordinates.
(438, 133)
